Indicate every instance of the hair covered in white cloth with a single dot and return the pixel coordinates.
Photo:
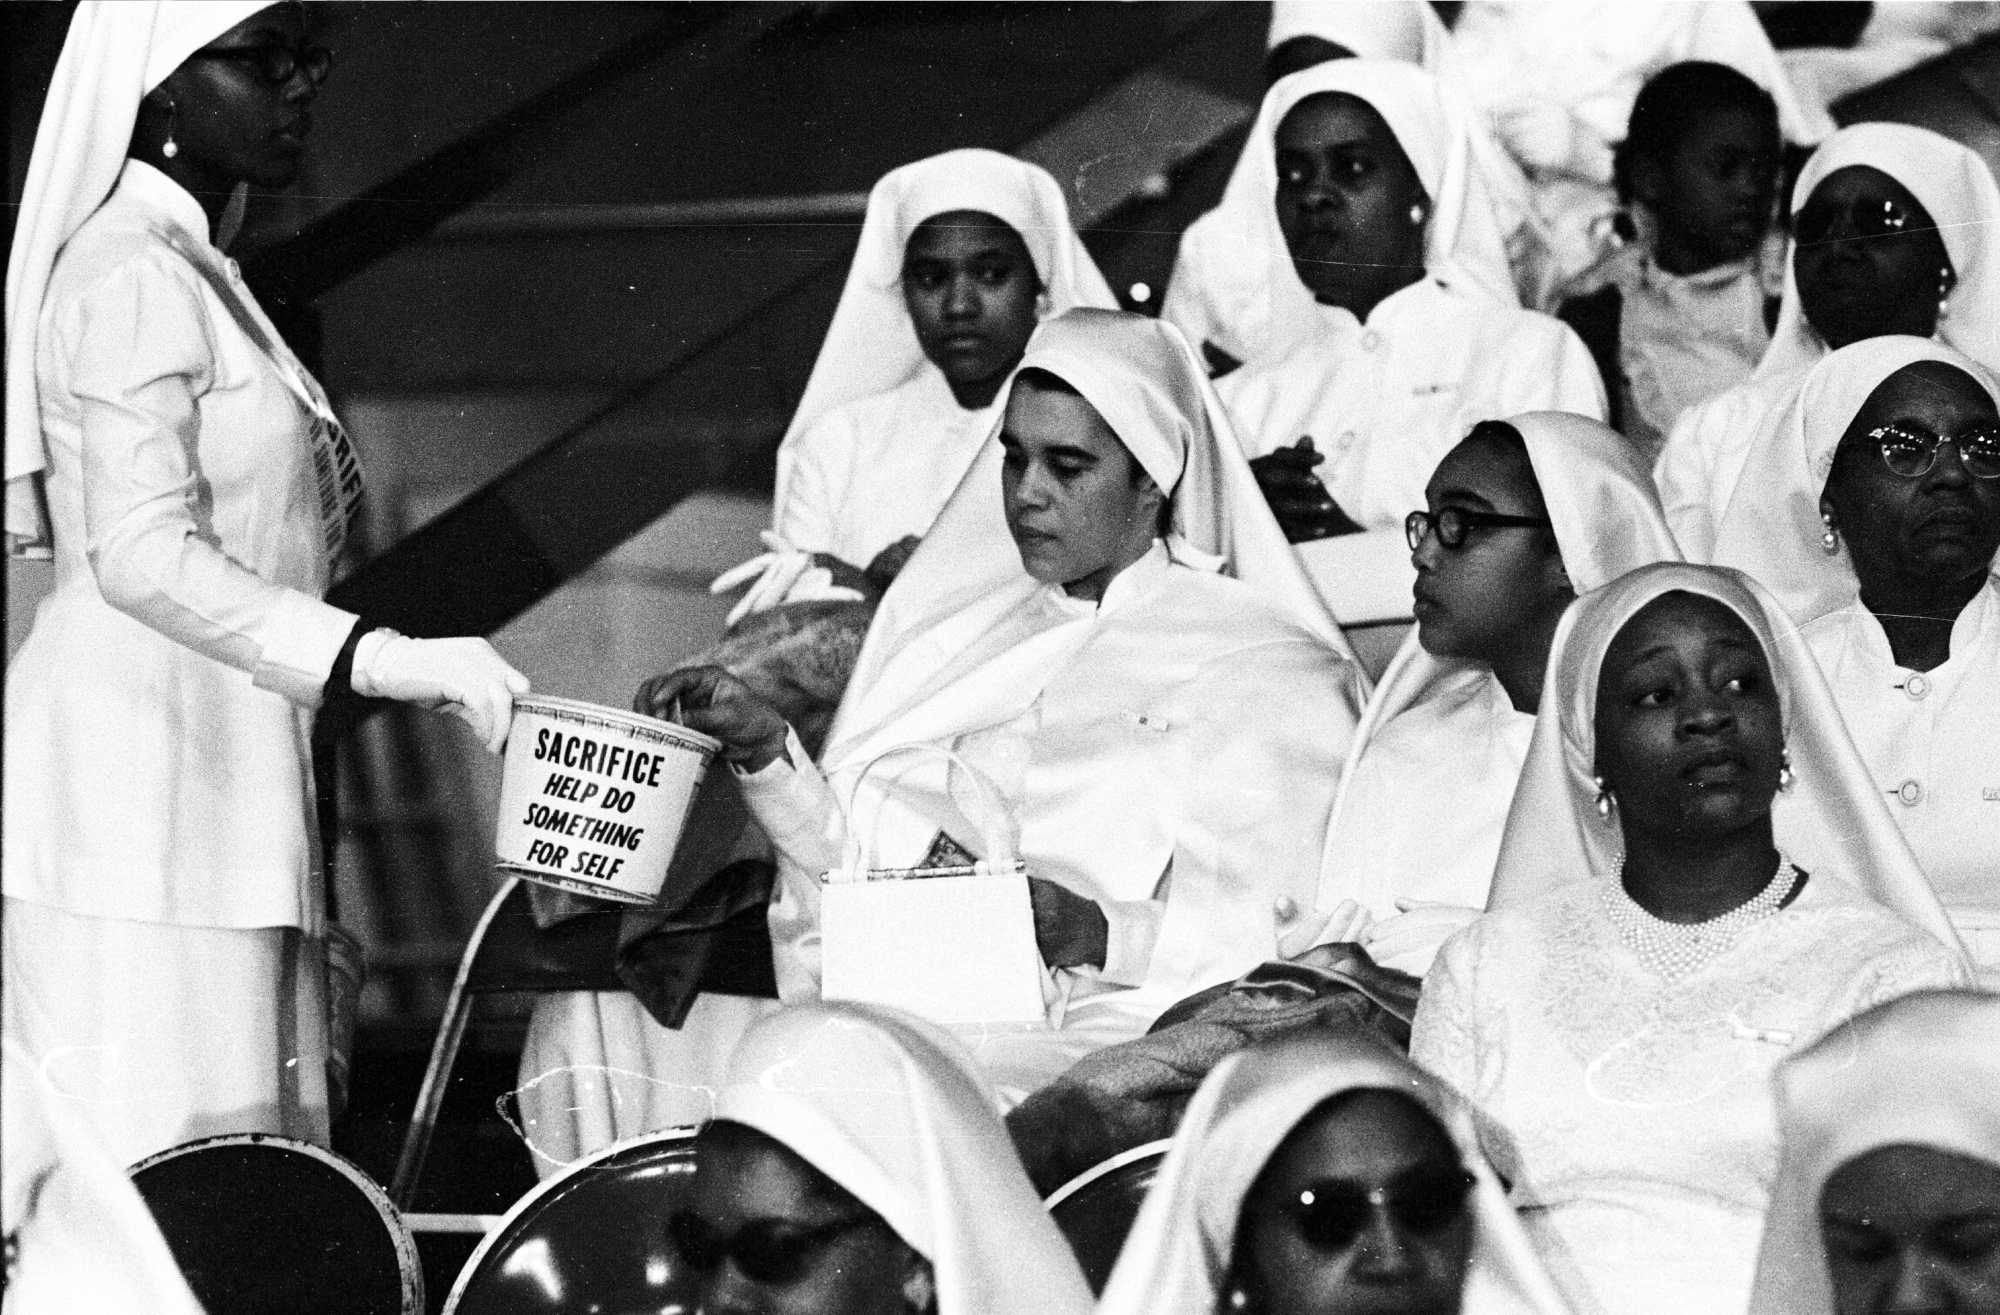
(1833, 819)
(1180, 1249)
(1920, 1071)
(116, 51)
(893, 1111)
(871, 346)
(1407, 30)
(1771, 528)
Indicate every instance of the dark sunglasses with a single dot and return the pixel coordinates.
(1452, 524)
(1867, 216)
(1330, 1215)
(773, 1251)
(276, 64)
(1912, 455)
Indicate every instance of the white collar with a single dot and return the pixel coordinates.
(149, 187)
(1129, 583)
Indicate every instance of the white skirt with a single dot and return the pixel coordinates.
(153, 1035)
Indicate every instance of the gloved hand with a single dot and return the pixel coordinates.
(1410, 940)
(1303, 508)
(1300, 930)
(464, 677)
(783, 575)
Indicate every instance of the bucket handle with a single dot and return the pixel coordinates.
(992, 815)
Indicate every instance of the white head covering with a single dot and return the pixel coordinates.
(1832, 819)
(114, 54)
(1771, 528)
(1256, 298)
(893, 1111)
(1141, 376)
(1919, 1070)
(871, 346)
(1405, 30)
(1178, 1254)
(1951, 182)
(1607, 521)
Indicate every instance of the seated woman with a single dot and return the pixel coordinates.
(1875, 517)
(1523, 516)
(1321, 1173)
(1888, 1194)
(960, 256)
(855, 1166)
(1107, 625)
(1891, 233)
(1679, 310)
(1378, 320)
(1651, 952)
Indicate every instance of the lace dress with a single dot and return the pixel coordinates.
(1632, 1117)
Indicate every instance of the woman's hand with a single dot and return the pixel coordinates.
(785, 574)
(1301, 504)
(710, 700)
(465, 677)
(1070, 931)
(1410, 939)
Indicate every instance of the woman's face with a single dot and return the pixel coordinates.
(1079, 507)
(1868, 258)
(1317, 1243)
(1912, 1229)
(230, 124)
(1474, 601)
(1910, 537)
(1688, 728)
(781, 1239)
(1345, 192)
(971, 290)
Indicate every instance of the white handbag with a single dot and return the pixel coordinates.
(952, 944)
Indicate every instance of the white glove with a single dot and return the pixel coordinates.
(783, 575)
(464, 677)
(1410, 940)
(1300, 930)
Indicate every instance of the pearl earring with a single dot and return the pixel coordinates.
(1944, 293)
(1606, 800)
(1417, 215)
(1239, 1299)
(1829, 541)
(1786, 777)
(170, 148)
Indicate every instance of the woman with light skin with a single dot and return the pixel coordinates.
(1696, 879)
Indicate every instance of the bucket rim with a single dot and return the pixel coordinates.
(694, 738)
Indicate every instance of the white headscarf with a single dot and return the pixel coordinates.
(1179, 1251)
(893, 1111)
(1254, 293)
(1771, 528)
(1607, 521)
(1920, 1070)
(1832, 819)
(966, 579)
(116, 52)
(1405, 30)
(1951, 182)
(871, 346)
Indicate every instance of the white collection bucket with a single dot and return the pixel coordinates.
(593, 800)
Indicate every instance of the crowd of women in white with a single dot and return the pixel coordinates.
(1679, 798)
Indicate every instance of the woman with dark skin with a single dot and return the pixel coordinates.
(1660, 934)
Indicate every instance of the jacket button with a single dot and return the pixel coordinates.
(1910, 792)
(1917, 685)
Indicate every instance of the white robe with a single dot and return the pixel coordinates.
(1705, 452)
(1384, 400)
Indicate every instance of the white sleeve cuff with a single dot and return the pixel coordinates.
(1132, 929)
(305, 636)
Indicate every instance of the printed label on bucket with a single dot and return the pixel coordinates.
(593, 800)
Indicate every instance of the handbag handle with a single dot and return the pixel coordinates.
(992, 816)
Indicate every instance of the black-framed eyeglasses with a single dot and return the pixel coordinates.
(1912, 455)
(1330, 1215)
(275, 64)
(773, 1251)
(1452, 524)
(1867, 216)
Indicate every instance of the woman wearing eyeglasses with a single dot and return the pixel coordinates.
(1876, 522)
(1893, 231)
(856, 1165)
(165, 934)
(1326, 1173)
(1697, 878)
(1522, 516)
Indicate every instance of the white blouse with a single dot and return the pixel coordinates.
(1632, 1118)
(870, 473)
(1702, 462)
(1932, 741)
(1384, 400)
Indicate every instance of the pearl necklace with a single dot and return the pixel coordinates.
(1673, 950)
